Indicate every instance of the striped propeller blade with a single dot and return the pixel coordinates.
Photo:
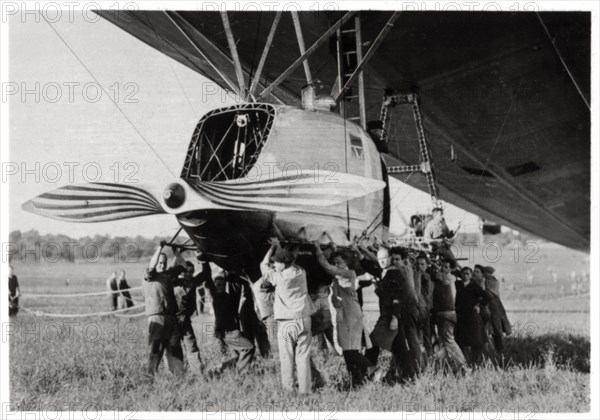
(94, 202)
(285, 194)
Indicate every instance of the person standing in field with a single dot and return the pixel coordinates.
(444, 294)
(425, 328)
(13, 292)
(164, 335)
(124, 290)
(409, 313)
(388, 332)
(112, 285)
(185, 293)
(321, 321)
(226, 303)
(292, 310)
(349, 316)
(499, 323)
(470, 329)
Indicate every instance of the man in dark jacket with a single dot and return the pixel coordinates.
(388, 333)
(470, 328)
(124, 290)
(226, 303)
(444, 293)
(185, 294)
(13, 293)
(164, 334)
(409, 311)
(427, 295)
(499, 323)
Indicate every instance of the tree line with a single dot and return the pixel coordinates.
(31, 246)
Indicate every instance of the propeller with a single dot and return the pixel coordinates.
(101, 202)
(94, 202)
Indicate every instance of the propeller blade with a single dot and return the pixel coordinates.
(286, 194)
(94, 202)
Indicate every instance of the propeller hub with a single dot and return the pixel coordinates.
(174, 195)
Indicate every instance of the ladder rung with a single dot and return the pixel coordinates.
(349, 52)
(354, 118)
(347, 31)
(351, 97)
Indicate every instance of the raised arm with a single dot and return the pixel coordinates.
(177, 258)
(204, 274)
(154, 260)
(332, 270)
(365, 252)
(368, 262)
(264, 265)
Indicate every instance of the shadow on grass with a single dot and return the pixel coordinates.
(562, 350)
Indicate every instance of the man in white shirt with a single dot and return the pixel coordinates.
(292, 309)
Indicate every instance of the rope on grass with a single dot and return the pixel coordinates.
(56, 315)
(50, 295)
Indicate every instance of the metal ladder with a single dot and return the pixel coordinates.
(426, 166)
(347, 61)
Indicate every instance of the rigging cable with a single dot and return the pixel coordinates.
(346, 163)
(196, 115)
(562, 60)
(104, 90)
(487, 161)
(255, 45)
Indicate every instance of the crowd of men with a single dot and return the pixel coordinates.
(429, 309)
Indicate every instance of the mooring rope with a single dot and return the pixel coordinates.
(62, 295)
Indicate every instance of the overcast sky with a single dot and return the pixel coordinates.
(62, 121)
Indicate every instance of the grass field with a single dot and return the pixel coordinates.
(98, 363)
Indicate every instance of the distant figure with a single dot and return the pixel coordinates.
(575, 289)
(530, 277)
(112, 286)
(554, 277)
(13, 292)
(67, 282)
(573, 276)
(124, 289)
